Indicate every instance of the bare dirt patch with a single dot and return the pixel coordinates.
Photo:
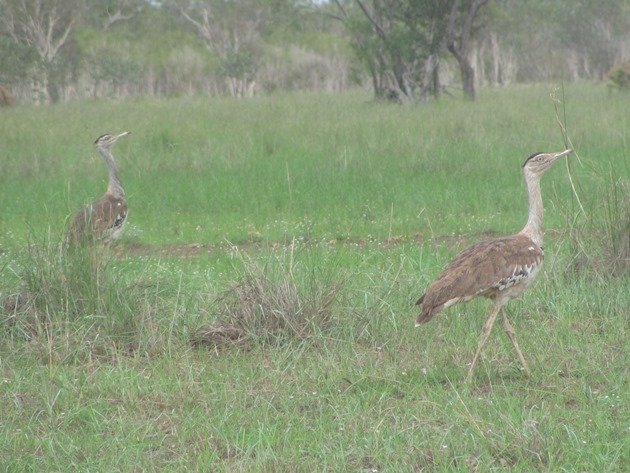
(195, 250)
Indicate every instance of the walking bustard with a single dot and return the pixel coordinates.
(104, 219)
(499, 269)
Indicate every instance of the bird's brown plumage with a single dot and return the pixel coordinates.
(490, 268)
(103, 219)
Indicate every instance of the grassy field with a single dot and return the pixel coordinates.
(310, 224)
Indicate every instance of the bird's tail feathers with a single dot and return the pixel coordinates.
(426, 314)
(423, 318)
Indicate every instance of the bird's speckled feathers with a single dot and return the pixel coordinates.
(489, 268)
(103, 219)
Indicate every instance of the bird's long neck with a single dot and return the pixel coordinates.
(114, 187)
(534, 226)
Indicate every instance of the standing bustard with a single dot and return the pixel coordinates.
(105, 218)
(499, 269)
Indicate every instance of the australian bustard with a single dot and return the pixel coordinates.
(104, 219)
(499, 269)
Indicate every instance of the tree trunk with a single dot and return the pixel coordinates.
(468, 79)
(494, 47)
(41, 88)
(375, 82)
(459, 39)
(437, 87)
(466, 70)
(430, 78)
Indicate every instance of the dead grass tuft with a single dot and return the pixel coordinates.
(220, 336)
(269, 306)
(70, 296)
(20, 310)
(600, 244)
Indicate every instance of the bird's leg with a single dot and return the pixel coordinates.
(487, 328)
(512, 335)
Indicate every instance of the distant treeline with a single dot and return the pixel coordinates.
(404, 50)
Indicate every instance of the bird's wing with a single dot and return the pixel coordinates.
(77, 227)
(100, 218)
(109, 213)
(491, 265)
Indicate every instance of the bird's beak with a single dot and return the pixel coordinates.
(124, 133)
(566, 152)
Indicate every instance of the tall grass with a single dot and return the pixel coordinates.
(302, 166)
(597, 233)
(76, 305)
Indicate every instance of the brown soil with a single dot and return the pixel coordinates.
(194, 250)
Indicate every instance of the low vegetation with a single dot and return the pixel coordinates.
(619, 76)
(267, 305)
(258, 313)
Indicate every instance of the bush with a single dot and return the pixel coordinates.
(72, 296)
(269, 304)
(619, 76)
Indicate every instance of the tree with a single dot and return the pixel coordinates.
(44, 25)
(233, 32)
(398, 42)
(459, 39)
(17, 61)
(578, 39)
(119, 10)
(401, 42)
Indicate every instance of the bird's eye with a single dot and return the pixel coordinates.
(539, 158)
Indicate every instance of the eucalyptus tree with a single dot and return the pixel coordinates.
(39, 38)
(402, 42)
(45, 26)
(459, 35)
(233, 32)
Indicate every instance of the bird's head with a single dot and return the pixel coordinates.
(538, 163)
(107, 140)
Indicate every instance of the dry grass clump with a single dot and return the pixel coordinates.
(19, 309)
(63, 292)
(600, 244)
(267, 306)
(618, 212)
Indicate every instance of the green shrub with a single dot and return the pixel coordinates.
(619, 76)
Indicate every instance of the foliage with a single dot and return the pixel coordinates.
(46, 26)
(567, 40)
(250, 47)
(400, 44)
(17, 61)
(619, 76)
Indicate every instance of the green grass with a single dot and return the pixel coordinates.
(300, 194)
(309, 166)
